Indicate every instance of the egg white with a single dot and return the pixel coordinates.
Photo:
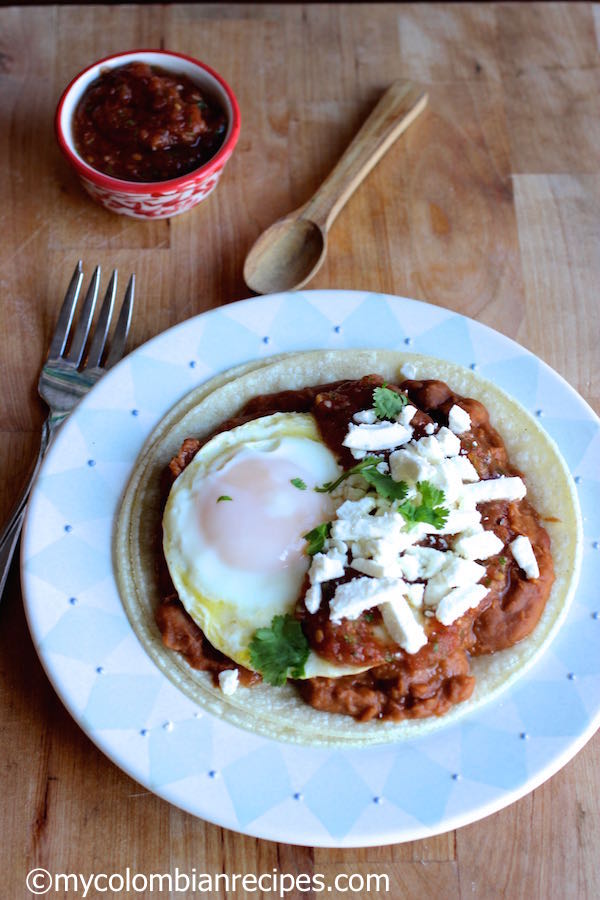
(236, 563)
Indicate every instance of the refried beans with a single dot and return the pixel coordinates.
(399, 685)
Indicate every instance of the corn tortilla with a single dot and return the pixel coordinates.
(280, 713)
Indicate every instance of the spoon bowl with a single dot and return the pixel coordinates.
(292, 250)
(286, 255)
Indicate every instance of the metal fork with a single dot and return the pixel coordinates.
(63, 381)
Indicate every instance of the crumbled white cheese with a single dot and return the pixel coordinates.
(372, 537)
(353, 488)
(455, 571)
(502, 488)
(378, 568)
(385, 549)
(460, 520)
(332, 546)
(447, 478)
(408, 370)
(407, 465)
(429, 560)
(414, 594)
(402, 625)
(229, 680)
(459, 419)
(430, 428)
(409, 567)
(458, 601)
(449, 442)
(465, 468)
(407, 414)
(355, 509)
(481, 545)
(368, 566)
(354, 597)
(313, 597)
(385, 526)
(381, 436)
(325, 567)
(524, 556)
(430, 448)
(365, 417)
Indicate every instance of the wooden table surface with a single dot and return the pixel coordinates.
(490, 206)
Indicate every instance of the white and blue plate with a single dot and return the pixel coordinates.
(283, 792)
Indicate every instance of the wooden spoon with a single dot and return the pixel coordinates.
(292, 250)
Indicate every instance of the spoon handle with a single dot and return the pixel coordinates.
(397, 109)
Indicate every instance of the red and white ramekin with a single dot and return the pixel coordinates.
(156, 199)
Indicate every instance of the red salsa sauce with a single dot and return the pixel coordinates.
(140, 123)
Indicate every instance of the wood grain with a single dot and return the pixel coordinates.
(489, 205)
(290, 252)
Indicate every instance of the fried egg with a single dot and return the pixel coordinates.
(233, 528)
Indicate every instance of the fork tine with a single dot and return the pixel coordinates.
(85, 320)
(121, 331)
(102, 326)
(63, 326)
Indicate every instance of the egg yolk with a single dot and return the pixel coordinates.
(261, 527)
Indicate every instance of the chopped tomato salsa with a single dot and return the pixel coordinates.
(140, 123)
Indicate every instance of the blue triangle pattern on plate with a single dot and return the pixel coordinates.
(589, 499)
(156, 384)
(451, 339)
(337, 795)
(561, 392)
(588, 595)
(581, 657)
(257, 782)
(552, 708)
(335, 307)
(384, 329)
(225, 342)
(302, 321)
(419, 786)
(121, 701)
(257, 314)
(492, 756)
(70, 493)
(572, 435)
(69, 564)
(86, 634)
(120, 441)
(517, 376)
(180, 750)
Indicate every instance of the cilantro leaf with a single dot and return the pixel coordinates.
(223, 497)
(298, 483)
(385, 484)
(367, 467)
(316, 538)
(429, 510)
(369, 462)
(430, 495)
(388, 403)
(280, 650)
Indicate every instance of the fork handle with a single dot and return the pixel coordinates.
(12, 529)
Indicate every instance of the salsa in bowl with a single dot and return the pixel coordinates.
(148, 132)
